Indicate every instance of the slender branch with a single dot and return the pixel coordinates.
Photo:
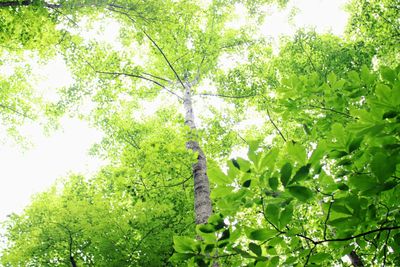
(241, 138)
(332, 110)
(265, 217)
(309, 254)
(379, 230)
(159, 49)
(147, 235)
(328, 215)
(228, 96)
(124, 74)
(176, 184)
(276, 127)
(15, 111)
(307, 55)
(134, 76)
(385, 249)
(157, 77)
(165, 57)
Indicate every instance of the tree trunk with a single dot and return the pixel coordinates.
(73, 262)
(202, 202)
(355, 259)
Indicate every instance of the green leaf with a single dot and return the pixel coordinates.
(339, 134)
(268, 161)
(336, 154)
(273, 262)
(341, 222)
(362, 182)
(388, 74)
(256, 249)
(178, 257)
(286, 216)
(273, 183)
(247, 183)
(300, 192)
(341, 209)
(297, 152)
(243, 253)
(217, 176)
(383, 166)
(286, 172)
(261, 234)
(320, 257)
(206, 228)
(272, 213)
(301, 174)
(225, 235)
(184, 244)
(332, 78)
(235, 163)
(355, 144)
(390, 114)
(209, 247)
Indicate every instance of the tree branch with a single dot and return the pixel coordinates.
(165, 57)
(328, 215)
(15, 111)
(351, 237)
(332, 110)
(228, 96)
(134, 76)
(276, 127)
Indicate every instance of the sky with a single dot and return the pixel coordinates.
(24, 173)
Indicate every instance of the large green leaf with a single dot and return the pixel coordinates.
(300, 192)
(256, 249)
(301, 174)
(184, 244)
(262, 234)
(272, 213)
(286, 216)
(320, 257)
(217, 176)
(273, 183)
(286, 172)
(383, 166)
(362, 182)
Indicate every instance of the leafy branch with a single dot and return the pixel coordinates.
(134, 76)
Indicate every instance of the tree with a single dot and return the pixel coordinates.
(323, 187)
(376, 23)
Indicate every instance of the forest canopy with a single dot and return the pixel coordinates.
(315, 124)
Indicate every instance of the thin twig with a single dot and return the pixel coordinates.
(228, 96)
(134, 76)
(165, 57)
(332, 110)
(309, 254)
(328, 215)
(16, 111)
(276, 127)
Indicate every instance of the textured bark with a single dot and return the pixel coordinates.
(202, 202)
(355, 259)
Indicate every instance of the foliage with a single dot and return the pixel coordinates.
(325, 185)
(376, 23)
(295, 204)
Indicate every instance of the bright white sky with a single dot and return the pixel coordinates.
(26, 173)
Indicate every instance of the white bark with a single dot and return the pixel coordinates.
(202, 201)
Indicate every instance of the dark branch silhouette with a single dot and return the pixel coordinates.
(275, 126)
